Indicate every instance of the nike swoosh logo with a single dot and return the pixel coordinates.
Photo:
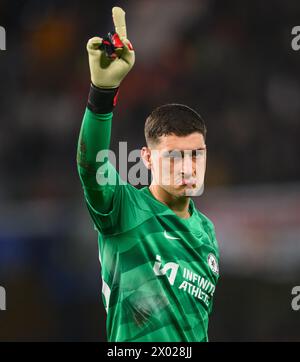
(169, 236)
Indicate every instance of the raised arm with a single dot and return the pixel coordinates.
(110, 59)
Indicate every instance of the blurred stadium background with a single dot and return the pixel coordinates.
(233, 62)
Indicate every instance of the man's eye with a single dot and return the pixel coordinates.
(174, 155)
(181, 155)
(199, 154)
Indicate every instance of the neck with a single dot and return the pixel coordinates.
(178, 204)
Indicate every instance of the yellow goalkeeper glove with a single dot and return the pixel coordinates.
(106, 71)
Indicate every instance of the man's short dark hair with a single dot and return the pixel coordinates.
(173, 118)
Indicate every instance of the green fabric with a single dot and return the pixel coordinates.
(94, 136)
(157, 282)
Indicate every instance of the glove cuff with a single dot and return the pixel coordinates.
(102, 100)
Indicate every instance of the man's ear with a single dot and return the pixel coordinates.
(146, 156)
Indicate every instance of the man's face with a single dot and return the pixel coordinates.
(178, 164)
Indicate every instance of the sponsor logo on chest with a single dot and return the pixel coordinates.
(191, 283)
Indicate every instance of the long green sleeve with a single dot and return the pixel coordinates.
(94, 136)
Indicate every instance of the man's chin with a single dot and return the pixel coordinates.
(184, 190)
(189, 191)
(177, 191)
(195, 191)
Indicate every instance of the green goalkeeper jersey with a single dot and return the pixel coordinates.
(159, 271)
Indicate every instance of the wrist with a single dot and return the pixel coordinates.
(102, 100)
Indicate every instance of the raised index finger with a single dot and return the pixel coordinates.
(118, 15)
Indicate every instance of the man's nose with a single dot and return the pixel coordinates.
(187, 166)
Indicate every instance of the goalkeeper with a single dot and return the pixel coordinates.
(159, 254)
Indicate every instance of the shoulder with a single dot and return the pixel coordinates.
(206, 221)
(208, 226)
